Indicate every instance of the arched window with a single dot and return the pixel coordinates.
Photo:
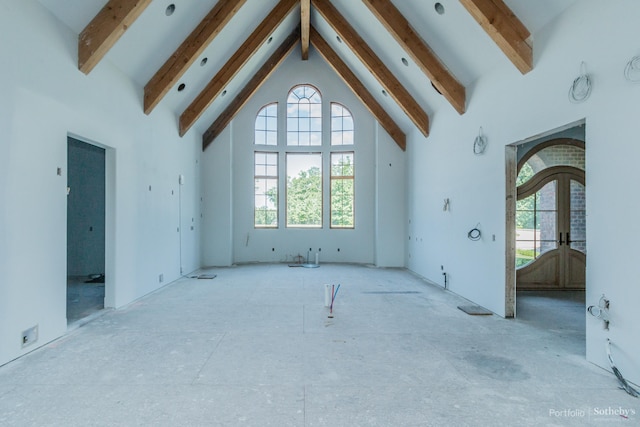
(305, 153)
(304, 116)
(341, 125)
(266, 126)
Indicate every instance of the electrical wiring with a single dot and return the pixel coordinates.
(474, 234)
(623, 383)
(632, 70)
(580, 90)
(480, 143)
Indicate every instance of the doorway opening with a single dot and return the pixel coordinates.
(86, 229)
(546, 230)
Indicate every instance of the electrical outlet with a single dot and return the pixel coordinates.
(29, 336)
(161, 278)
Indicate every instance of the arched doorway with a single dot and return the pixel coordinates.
(550, 218)
(546, 226)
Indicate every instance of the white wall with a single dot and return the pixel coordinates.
(44, 99)
(510, 108)
(231, 155)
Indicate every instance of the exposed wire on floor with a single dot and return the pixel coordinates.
(624, 385)
(334, 292)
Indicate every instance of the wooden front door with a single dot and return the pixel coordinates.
(550, 230)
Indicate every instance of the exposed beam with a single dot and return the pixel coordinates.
(105, 29)
(377, 68)
(420, 52)
(305, 24)
(247, 92)
(234, 64)
(358, 89)
(190, 49)
(506, 30)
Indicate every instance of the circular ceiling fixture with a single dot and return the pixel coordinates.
(181, 87)
(339, 39)
(405, 62)
(170, 9)
(439, 8)
(204, 61)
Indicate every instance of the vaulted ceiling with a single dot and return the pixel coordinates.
(404, 59)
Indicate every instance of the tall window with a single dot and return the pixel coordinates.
(306, 153)
(342, 168)
(266, 127)
(304, 190)
(341, 125)
(266, 190)
(304, 116)
(342, 190)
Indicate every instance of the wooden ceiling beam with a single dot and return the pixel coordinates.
(506, 30)
(190, 49)
(251, 88)
(234, 64)
(358, 89)
(305, 25)
(375, 66)
(105, 29)
(398, 26)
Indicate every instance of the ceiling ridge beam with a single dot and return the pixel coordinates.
(359, 89)
(506, 30)
(375, 66)
(250, 88)
(234, 64)
(190, 49)
(400, 28)
(305, 25)
(105, 29)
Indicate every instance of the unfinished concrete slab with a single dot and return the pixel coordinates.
(255, 346)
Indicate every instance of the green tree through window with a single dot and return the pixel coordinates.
(304, 190)
(342, 190)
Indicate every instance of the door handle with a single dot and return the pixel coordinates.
(568, 240)
(561, 242)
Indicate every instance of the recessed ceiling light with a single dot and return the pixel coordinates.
(405, 62)
(339, 39)
(384, 92)
(203, 62)
(269, 40)
(181, 87)
(170, 9)
(439, 8)
(224, 92)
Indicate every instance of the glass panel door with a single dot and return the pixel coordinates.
(578, 224)
(536, 224)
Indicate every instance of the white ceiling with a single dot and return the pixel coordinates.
(454, 36)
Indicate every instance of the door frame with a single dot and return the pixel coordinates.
(109, 219)
(512, 166)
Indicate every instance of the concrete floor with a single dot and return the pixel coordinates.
(255, 347)
(83, 299)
